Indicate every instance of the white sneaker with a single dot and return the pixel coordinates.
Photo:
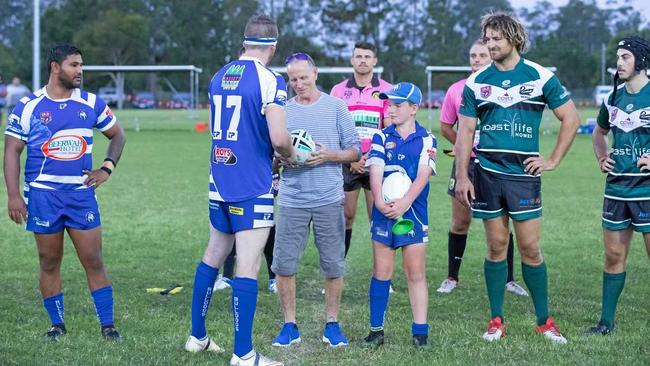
(390, 290)
(447, 285)
(222, 283)
(253, 359)
(194, 344)
(514, 287)
(272, 286)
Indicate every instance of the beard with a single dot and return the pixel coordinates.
(69, 83)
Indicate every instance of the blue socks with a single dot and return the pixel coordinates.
(54, 307)
(244, 302)
(378, 294)
(419, 329)
(201, 294)
(103, 299)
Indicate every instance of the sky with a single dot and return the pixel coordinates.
(642, 5)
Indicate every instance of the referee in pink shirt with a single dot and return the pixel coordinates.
(461, 216)
(370, 115)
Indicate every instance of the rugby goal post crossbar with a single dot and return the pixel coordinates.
(431, 69)
(117, 73)
(378, 70)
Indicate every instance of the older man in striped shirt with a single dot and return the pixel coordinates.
(313, 194)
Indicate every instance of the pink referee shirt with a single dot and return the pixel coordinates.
(368, 111)
(449, 111)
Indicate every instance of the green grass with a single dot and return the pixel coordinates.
(154, 209)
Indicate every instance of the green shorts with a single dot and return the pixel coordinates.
(500, 194)
(619, 215)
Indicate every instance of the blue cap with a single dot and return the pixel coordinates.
(403, 92)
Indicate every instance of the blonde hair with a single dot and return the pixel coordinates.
(509, 26)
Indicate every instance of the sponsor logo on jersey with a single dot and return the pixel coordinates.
(375, 94)
(223, 155)
(62, 106)
(389, 155)
(644, 115)
(65, 147)
(90, 216)
(82, 115)
(486, 91)
(347, 94)
(505, 83)
(109, 112)
(514, 127)
(267, 216)
(231, 78)
(644, 215)
(505, 99)
(401, 157)
(526, 90)
(46, 117)
(452, 184)
(239, 211)
(632, 149)
(613, 113)
(390, 144)
(627, 123)
(629, 107)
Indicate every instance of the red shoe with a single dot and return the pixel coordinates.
(551, 331)
(496, 330)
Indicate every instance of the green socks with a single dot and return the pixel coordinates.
(612, 287)
(496, 274)
(536, 280)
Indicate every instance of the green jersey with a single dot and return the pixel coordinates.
(628, 117)
(510, 106)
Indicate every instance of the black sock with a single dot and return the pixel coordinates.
(455, 248)
(229, 265)
(268, 252)
(511, 254)
(348, 238)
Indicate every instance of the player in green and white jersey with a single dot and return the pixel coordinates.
(626, 208)
(509, 97)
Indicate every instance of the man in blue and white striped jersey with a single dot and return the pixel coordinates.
(56, 125)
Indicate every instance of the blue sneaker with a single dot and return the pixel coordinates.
(333, 335)
(288, 336)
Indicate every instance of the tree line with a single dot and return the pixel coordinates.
(409, 34)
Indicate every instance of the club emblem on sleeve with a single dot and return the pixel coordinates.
(46, 117)
(486, 91)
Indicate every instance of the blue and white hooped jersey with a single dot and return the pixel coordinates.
(390, 151)
(241, 154)
(58, 134)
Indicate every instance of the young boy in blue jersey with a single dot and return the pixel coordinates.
(406, 147)
(56, 125)
(248, 124)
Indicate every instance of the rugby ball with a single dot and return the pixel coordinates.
(303, 145)
(395, 186)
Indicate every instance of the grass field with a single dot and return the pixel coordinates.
(154, 210)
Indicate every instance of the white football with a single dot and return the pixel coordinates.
(395, 186)
(303, 145)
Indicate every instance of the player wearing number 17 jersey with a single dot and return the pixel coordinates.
(248, 122)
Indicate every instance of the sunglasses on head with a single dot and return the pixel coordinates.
(299, 56)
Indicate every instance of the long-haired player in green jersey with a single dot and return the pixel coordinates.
(509, 97)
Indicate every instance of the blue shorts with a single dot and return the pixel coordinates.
(51, 211)
(381, 228)
(231, 217)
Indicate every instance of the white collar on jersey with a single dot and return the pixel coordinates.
(75, 94)
(249, 58)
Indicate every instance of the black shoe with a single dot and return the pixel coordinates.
(111, 335)
(420, 341)
(374, 339)
(601, 329)
(55, 332)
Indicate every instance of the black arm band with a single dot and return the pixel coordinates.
(111, 160)
(106, 169)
